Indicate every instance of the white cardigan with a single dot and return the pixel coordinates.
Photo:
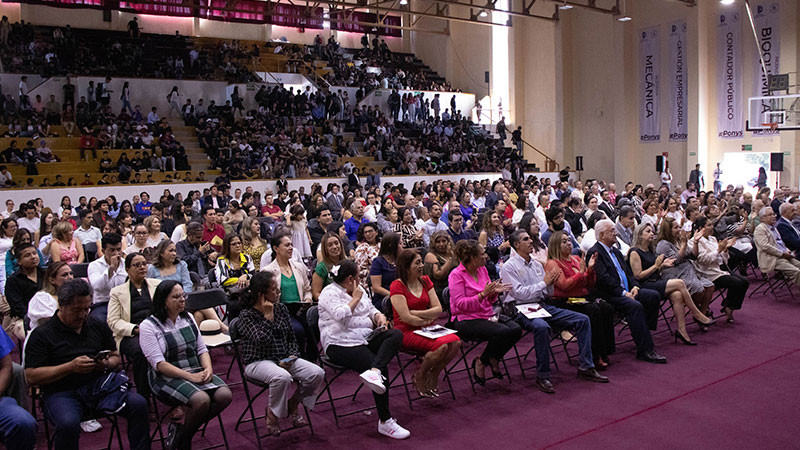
(338, 325)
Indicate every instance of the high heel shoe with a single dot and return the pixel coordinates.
(703, 327)
(678, 336)
(478, 379)
(728, 314)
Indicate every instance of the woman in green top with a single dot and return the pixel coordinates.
(295, 291)
(332, 254)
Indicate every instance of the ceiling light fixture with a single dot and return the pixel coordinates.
(625, 19)
(403, 2)
(727, 2)
(483, 13)
(565, 6)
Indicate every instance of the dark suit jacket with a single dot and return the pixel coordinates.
(790, 236)
(575, 221)
(220, 202)
(608, 210)
(608, 283)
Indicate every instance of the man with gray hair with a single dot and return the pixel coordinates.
(787, 231)
(772, 251)
(617, 285)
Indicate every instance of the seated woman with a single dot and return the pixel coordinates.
(416, 305)
(180, 365)
(254, 246)
(139, 244)
(472, 299)
(154, 233)
(650, 271)
(383, 272)
(410, 236)
(234, 270)
(671, 246)
(346, 319)
(64, 246)
(709, 254)
(576, 281)
(295, 291)
(369, 236)
(45, 302)
(128, 305)
(271, 355)
(332, 249)
(440, 260)
(492, 234)
(531, 225)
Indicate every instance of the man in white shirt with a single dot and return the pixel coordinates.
(530, 286)
(5, 177)
(717, 180)
(433, 224)
(29, 222)
(538, 213)
(106, 273)
(373, 207)
(86, 232)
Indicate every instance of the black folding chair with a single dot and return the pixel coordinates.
(472, 345)
(264, 387)
(114, 432)
(80, 270)
(90, 251)
(415, 357)
(171, 406)
(312, 316)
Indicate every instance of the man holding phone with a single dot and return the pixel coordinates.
(530, 284)
(67, 357)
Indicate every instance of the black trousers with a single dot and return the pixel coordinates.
(737, 289)
(499, 336)
(378, 353)
(601, 317)
(131, 349)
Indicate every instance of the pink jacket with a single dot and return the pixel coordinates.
(464, 301)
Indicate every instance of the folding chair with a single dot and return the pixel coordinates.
(115, 431)
(90, 251)
(80, 270)
(207, 298)
(312, 316)
(773, 283)
(472, 345)
(415, 357)
(264, 387)
(155, 399)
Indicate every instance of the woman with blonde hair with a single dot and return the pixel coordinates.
(651, 271)
(65, 247)
(254, 246)
(154, 233)
(492, 234)
(440, 260)
(45, 302)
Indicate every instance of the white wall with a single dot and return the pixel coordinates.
(380, 99)
(52, 196)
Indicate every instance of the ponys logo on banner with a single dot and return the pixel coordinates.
(678, 126)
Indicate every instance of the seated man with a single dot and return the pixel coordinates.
(531, 285)
(788, 233)
(17, 426)
(616, 285)
(555, 222)
(456, 230)
(69, 358)
(106, 273)
(772, 252)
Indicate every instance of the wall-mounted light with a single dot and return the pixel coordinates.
(624, 18)
(403, 2)
(483, 13)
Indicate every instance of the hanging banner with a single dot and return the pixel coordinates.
(767, 20)
(730, 124)
(649, 119)
(678, 127)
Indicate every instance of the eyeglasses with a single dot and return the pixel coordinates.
(139, 264)
(140, 233)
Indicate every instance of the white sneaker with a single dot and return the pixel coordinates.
(90, 426)
(373, 380)
(392, 429)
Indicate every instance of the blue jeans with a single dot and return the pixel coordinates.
(17, 426)
(65, 411)
(100, 312)
(561, 319)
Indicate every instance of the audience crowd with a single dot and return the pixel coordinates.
(354, 274)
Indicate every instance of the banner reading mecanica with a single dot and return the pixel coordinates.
(678, 126)
(729, 76)
(649, 120)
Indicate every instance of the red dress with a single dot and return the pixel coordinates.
(411, 340)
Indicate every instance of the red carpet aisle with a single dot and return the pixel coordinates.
(737, 389)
